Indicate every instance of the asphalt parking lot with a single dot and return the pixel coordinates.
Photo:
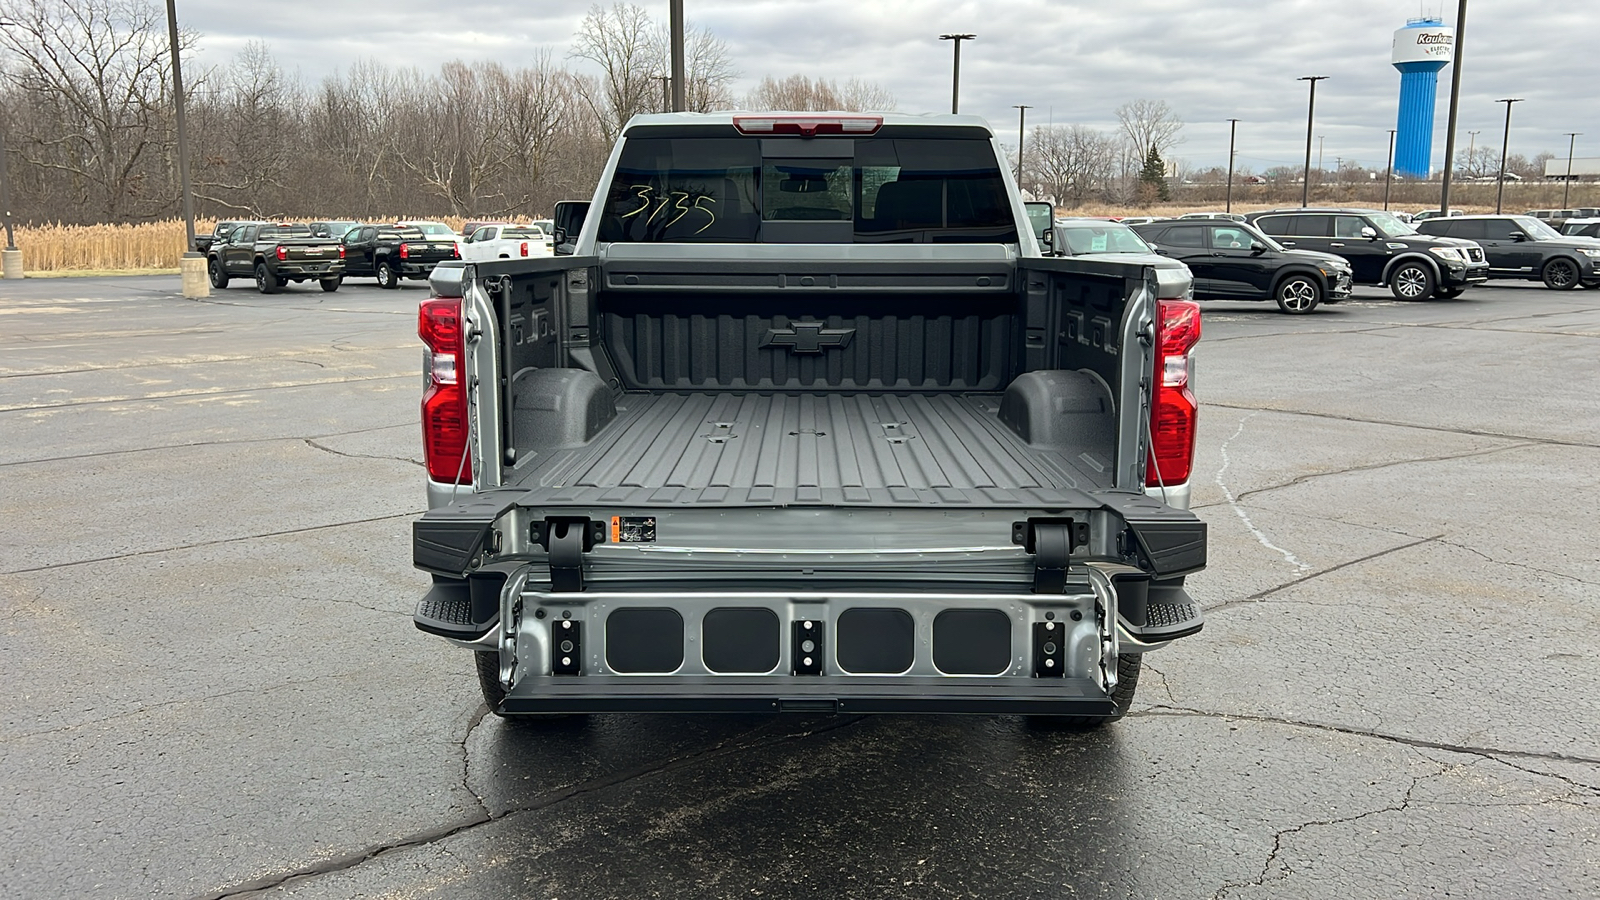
(214, 687)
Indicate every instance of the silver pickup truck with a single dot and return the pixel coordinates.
(808, 421)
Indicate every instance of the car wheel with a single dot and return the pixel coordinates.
(266, 282)
(1298, 295)
(1411, 281)
(1128, 666)
(219, 278)
(330, 285)
(1560, 275)
(1449, 293)
(386, 276)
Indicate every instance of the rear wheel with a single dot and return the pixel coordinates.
(1128, 666)
(1298, 295)
(266, 282)
(219, 278)
(1411, 281)
(332, 284)
(1560, 275)
(386, 276)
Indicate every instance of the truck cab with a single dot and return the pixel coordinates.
(808, 421)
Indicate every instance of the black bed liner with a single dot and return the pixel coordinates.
(746, 449)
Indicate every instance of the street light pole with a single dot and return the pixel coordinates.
(1022, 116)
(1472, 145)
(1388, 173)
(1455, 104)
(183, 134)
(666, 91)
(1505, 145)
(675, 16)
(5, 192)
(1566, 186)
(955, 74)
(1233, 130)
(1311, 112)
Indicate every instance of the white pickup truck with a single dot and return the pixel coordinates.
(501, 241)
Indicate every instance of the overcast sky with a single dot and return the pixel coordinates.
(1074, 62)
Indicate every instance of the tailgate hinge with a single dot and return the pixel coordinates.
(1051, 541)
(566, 540)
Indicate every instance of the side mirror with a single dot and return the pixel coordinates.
(1042, 215)
(1518, 236)
(1368, 232)
(568, 216)
(1257, 247)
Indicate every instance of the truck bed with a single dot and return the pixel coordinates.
(882, 449)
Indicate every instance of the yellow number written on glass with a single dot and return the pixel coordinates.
(642, 193)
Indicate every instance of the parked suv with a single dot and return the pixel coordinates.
(1527, 249)
(1234, 261)
(1382, 249)
(1581, 228)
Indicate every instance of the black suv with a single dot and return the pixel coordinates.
(1527, 249)
(1382, 249)
(1234, 261)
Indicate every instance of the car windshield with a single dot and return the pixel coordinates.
(1107, 237)
(285, 231)
(432, 229)
(522, 233)
(1535, 229)
(1389, 226)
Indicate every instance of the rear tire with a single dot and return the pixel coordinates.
(386, 276)
(1128, 666)
(219, 278)
(1559, 274)
(1297, 294)
(329, 285)
(266, 282)
(1411, 281)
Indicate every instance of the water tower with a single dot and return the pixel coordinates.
(1421, 49)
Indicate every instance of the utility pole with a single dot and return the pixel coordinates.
(666, 91)
(1505, 145)
(1022, 117)
(12, 261)
(1455, 104)
(1311, 113)
(1233, 130)
(1472, 145)
(192, 266)
(955, 75)
(676, 27)
(1388, 174)
(1566, 186)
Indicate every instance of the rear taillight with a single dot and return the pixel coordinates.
(524, 248)
(455, 251)
(444, 398)
(341, 251)
(405, 251)
(282, 254)
(1174, 412)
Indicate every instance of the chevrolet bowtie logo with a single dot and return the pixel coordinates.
(808, 337)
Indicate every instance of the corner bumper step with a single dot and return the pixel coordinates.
(458, 609)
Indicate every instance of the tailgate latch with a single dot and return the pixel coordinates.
(566, 540)
(1051, 541)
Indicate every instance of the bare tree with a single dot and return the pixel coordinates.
(97, 72)
(254, 146)
(622, 42)
(798, 93)
(708, 69)
(1070, 162)
(1149, 124)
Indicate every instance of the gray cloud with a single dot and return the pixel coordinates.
(1072, 61)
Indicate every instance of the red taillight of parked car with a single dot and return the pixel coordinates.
(444, 397)
(1174, 413)
(455, 251)
(341, 251)
(283, 254)
(405, 251)
(524, 248)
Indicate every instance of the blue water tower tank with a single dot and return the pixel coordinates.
(1421, 49)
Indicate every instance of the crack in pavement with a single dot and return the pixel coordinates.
(312, 443)
(181, 395)
(1278, 837)
(423, 838)
(1500, 562)
(1492, 753)
(1258, 595)
(221, 443)
(1373, 467)
(232, 540)
(1530, 439)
